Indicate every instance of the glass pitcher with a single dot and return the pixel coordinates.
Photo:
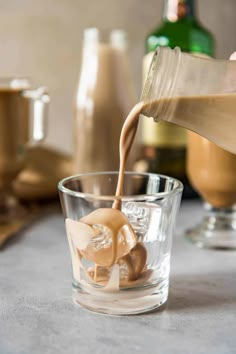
(194, 92)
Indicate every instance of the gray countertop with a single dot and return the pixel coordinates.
(37, 314)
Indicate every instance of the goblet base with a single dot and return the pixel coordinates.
(11, 209)
(217, 229)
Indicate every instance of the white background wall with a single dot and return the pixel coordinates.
(42, 40)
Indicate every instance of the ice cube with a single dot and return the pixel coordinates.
(103, 236)
(79, 233)
(145, 218)
(100, 248)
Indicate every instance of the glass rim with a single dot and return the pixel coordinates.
(65, 190)
(15, 83)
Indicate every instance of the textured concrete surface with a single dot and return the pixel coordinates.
(43, 40)
(38, 316)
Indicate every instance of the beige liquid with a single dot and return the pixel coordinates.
(127, 251)
(211, 116)
(212, 171)
(14, 111)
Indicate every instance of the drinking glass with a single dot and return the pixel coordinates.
(23, 111)
(138, 280)
(212, 172)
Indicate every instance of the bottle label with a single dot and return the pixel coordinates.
(161, 134)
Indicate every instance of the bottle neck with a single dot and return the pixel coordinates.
(176, 10)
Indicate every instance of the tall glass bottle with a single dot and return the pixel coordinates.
(164, 144)
(104, 97)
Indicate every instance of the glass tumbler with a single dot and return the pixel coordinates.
(137, 280)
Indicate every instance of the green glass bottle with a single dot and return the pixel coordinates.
(164, 144)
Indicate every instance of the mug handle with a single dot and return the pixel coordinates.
(39, 113)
